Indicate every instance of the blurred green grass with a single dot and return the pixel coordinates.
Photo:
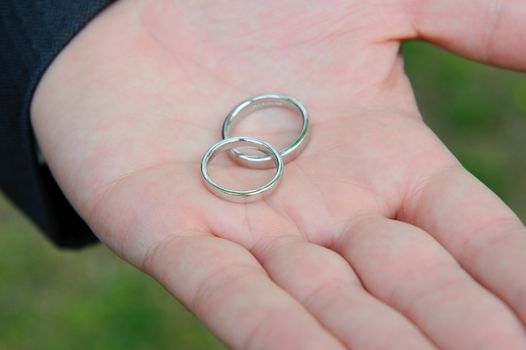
(52, 299)
(90, 299)
(479, 112)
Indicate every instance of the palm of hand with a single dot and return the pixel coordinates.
(359, 129)
(166, 91)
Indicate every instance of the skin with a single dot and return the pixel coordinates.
(376, 237)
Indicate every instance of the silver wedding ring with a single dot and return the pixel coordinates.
(239, 195)
(271, 157)
(264, 101)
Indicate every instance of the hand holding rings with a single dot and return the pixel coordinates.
(271, 157)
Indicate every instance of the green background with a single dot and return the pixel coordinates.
(90, 299)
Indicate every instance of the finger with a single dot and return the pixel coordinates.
(327, 286)
(479, 230)
(491, 31)
(403, 266)
(229, 291)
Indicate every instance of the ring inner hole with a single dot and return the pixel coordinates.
(278, 125)
(226, 173)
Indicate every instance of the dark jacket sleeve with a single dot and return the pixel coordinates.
(32, 33)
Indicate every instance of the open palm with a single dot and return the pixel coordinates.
(375, 238)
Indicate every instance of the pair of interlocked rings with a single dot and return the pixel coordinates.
(272, 157)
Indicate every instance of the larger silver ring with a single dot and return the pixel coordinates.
(235, 195)
(262, 101)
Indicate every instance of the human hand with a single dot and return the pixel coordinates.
(376, 236)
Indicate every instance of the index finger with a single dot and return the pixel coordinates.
(477, 228)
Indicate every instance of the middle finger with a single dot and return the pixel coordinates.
(329, 289)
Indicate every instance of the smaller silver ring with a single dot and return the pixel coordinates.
(263, 101)
(236, 195)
